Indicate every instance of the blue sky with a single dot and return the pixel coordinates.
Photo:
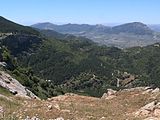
(81, 11)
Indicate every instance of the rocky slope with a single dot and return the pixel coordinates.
(11, 84)
(129, 104)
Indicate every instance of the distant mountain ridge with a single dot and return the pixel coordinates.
(123, 36)
(71, 28)
(134, 28)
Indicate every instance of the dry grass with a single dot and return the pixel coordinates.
(78, 107)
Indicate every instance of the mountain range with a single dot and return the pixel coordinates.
(49, 63)
(75, 76)
(122, 36)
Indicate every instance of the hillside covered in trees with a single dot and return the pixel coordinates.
(52, 64)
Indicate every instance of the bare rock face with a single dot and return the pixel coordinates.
(149, 90)
(11, 84)
(109, 95)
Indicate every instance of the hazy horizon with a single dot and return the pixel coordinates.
(105, 24)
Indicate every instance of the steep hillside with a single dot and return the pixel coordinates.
(7, 26)
(13, 86)
(85, 68)
(15, 43)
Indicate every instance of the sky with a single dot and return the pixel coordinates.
(29, 12)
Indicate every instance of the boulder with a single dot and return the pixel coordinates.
(147, 91)
(56, 106)
(111, 92)
(157, 90)
(149, 106)
(109, 95)
(50, 107)
(152, 108)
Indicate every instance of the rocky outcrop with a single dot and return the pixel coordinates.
(11, 84)
(109, 95)
(128, 104)
(143, 90)
(150, 109)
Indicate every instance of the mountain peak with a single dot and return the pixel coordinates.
(45, 25)
(134, 28)
(137, 24)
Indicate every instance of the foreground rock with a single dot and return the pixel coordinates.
(149, 109)
(128, 104)
(11, 84)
